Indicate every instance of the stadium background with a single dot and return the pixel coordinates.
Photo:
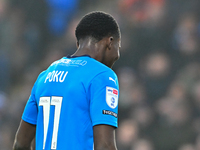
(159, 68)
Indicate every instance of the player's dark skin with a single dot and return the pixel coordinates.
(105, 51)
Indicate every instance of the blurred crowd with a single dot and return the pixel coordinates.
(159, 68)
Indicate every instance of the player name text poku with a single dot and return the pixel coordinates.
(56, 76)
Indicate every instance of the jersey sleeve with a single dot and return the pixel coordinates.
(104, 91)
(30, 112)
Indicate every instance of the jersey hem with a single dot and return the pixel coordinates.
(106, 123)
(28, 120)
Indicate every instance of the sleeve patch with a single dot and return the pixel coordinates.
(111, 97)
(107, 112)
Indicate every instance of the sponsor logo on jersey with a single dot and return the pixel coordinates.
(69, 62)
(111, 97)
(107, 112)
(113, 80)
(115, 92)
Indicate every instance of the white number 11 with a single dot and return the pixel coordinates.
(46, 102)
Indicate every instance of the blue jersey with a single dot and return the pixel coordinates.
(68, 99)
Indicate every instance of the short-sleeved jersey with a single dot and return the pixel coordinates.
(68, 99)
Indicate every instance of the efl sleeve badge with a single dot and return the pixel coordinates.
(111, 97)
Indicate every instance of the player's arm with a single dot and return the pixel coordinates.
(104, 137)
(104, 110)
(24, 136)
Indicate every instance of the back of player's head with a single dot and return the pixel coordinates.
(97, 25)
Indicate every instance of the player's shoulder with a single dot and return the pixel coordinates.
(99, 67)
(40, 76)
(88, 67)
(103, 73)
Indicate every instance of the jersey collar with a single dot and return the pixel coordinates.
(70, 56)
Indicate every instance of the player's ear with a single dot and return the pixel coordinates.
(110, 42)
(77, 44)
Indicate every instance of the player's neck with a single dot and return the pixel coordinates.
(87, 47)
(83, 51)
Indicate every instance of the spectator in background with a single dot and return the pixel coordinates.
(132, 92)
(4, 57)
(142, 11)
(187, 147)
(157, 74)
(4, 72)
(60, 13)
(142, 144)
(145, 118)
(174, 123)
(186, 40)
(127, 133)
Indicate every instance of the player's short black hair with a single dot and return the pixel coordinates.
(97, 25)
